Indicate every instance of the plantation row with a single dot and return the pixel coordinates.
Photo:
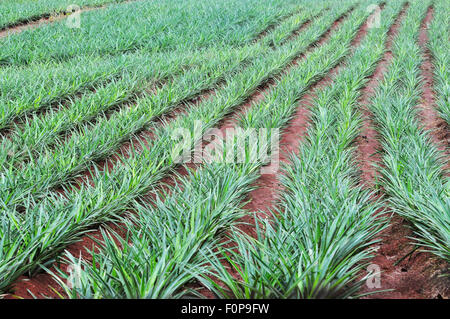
(15, 12)
(117, 100)
(413, 175)
(48, 80)
(440, 50)
(151, 26)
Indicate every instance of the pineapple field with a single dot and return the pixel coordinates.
(239, 149)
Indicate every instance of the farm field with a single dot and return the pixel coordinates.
(245, 149)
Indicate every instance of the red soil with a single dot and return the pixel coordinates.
(416, 276)
(428, 114)
(367, 141)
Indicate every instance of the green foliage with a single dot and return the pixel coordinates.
(70, 98)
(151, 26)
(111, 192)
(413, 173)
(439, 46)
(317, 242)
(14, 12)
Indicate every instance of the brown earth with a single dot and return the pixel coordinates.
(428, 114)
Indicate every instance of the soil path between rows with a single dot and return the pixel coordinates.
(428, 115)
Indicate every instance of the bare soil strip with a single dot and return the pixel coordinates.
(429, 116)
(368, 145)
(416, 276)
(43, 285)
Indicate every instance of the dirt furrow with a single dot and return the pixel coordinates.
(428, 114)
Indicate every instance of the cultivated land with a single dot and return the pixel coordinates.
(224, 149)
